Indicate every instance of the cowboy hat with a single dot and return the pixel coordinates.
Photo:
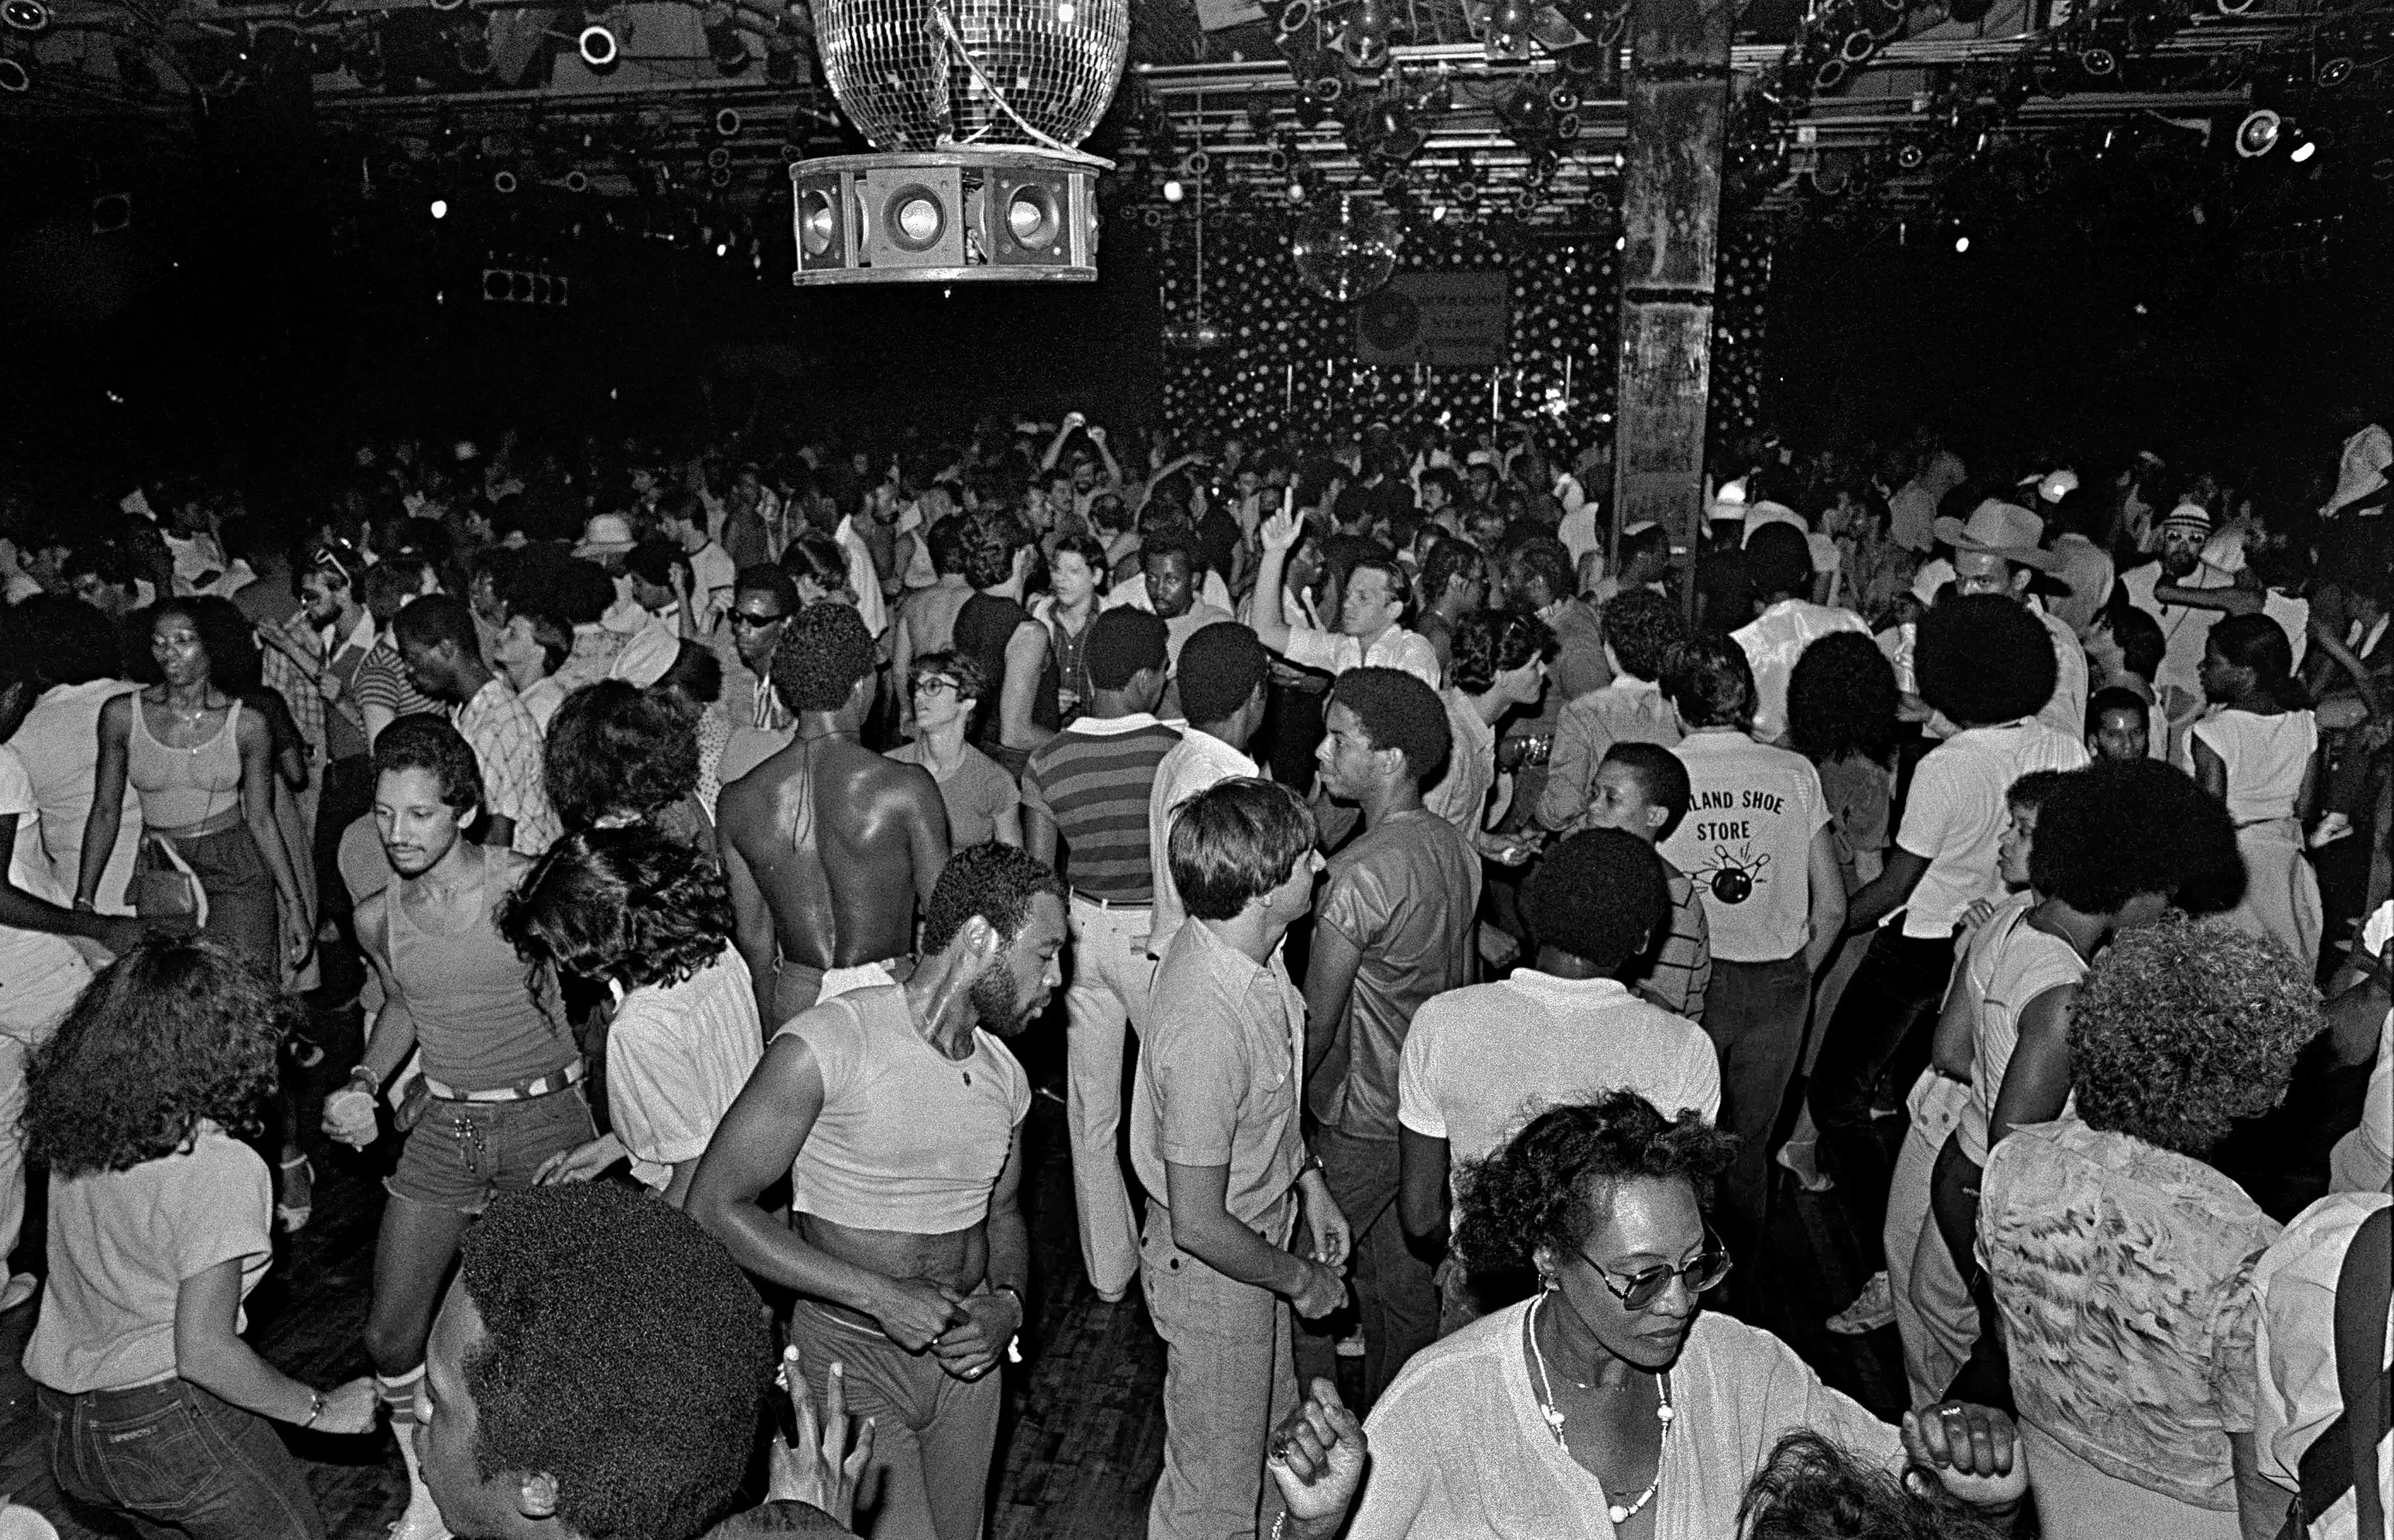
(605, 534)
(2001, 529)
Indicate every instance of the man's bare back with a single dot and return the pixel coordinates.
(829, 847)
(930, 617)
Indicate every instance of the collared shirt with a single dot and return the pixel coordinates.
(1093, 781)
(299, 691)
(1629, 710)
(1336, 652)
(2123, 1273)
(1219, 1063)
(759, 727)
(1199, 760)
(508, 747)
(1775, 638)
(1403, 895)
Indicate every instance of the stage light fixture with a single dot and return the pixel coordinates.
(1293, 18)
(469, 43)
(724, 44)
(1173, 191)
(112, 213)
(577, 181)
(1961, 245)
(727, 122)
(1568, 125)
(718, 157)
(440, 208)
(719, 178)
(15, 75)
(2099, 61)
(781, 57)
(504, 181)
(25, 15)
(598, 46)
(2260, 133)
(1463, 185)
(2305, 148)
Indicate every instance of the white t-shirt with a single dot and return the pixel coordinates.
(1956, 812)
(1746, 843)
(2362, 1160)
(1461, 794)
(2265, 758)
(1773, 640)
(676, 1060)
(1478, 1062)
(2007, 964)
(40, 973)
(1460, 1449)
(59, 743)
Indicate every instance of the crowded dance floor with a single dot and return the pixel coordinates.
(1110, 768)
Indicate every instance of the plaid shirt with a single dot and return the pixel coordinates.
(507, 745)
(299, 691)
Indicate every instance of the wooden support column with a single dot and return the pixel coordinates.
(1678, 109)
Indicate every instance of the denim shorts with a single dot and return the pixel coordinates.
(181, 1460)
(460, 1154)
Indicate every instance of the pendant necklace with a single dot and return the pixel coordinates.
(1619, 1512)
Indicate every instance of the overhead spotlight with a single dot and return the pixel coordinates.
(719, 176)
(2099, 61)
(1910, 156)
(1857, 48)
(724, 44)
(1542, 166)
(1311, 108)
(504, 181)
(2260, 133)
(1280, 156)
(1527, 201)
(1568, 125)
(2304, 146)
(1293, 18)
(470, 44)
(135, 74)
(1173, 191)
(2334, 71)
(598, 46)
(577, 181)
(110, 212)
(1463, 185)
(718, 157)
(15, 75)
(1564, 98)
(1831, 75)
(25, 15)
(1196, 163)
(440, 208)
(1391, 130)
(727, 122)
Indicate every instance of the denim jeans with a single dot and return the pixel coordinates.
(1228, 1380)
(1754, 1013)
(1894, 992)
(933, 1434)
(1110, 974)
(177, 1461)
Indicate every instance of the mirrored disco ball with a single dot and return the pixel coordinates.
(902, 80)
(1345, 248)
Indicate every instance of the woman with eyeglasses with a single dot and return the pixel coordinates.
(1608, 1404)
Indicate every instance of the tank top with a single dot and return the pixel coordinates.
(2017, 962)
(471, 999)
(184, 788)
(984, 625)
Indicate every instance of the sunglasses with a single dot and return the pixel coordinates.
(1640, 1289)
(754, 623)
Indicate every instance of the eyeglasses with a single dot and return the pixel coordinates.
(754, 623)
(1701, 1272)
(932, 684)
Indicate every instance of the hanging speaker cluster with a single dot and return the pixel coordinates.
(947, 216)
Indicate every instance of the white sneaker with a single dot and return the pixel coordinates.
(2332, 828)
(1873, 1309)
(20, 1288)
(1351, 1344)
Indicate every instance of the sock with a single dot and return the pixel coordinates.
(421, 1520)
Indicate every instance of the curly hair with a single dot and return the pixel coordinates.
(1841, 699)
(614, 750)
(429, 743)
(2119, 828)
(544, 581)
(1710, 682)
(997, 882)
(224, 635)
(1448, 559)
(624, 1354)
(174, 1031)
(634, 904)
(1397, 711)
(1544, 557)
(2182, 1028)
(1599, 895)
(1643, 629)
(65, 640)
(959, 667)
(1811, 1489)
(991, 536)
(825, 650)
(1983, 659)
(1550, 1187)
(1488, 642)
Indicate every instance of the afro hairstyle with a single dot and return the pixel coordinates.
(823, 652)
(1221, 668)
(2122, 827)
(1841, 698)
(1397, 711)
(1984, 659)
(624, 1354)
(1599, 895)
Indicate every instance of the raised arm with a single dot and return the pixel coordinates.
(1281, 534)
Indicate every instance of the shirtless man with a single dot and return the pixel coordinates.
(907, 1249)
(827, 846)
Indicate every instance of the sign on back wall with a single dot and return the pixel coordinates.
(1445, 320)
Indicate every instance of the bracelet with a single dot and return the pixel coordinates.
(1280, 1524)
(373, 1081)
(315, 1408)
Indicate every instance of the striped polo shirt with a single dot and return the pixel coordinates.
(1092, 780)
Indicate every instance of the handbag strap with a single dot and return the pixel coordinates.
(2363, 1288)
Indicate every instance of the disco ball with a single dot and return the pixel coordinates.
(1345, 249)
(902, 77)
